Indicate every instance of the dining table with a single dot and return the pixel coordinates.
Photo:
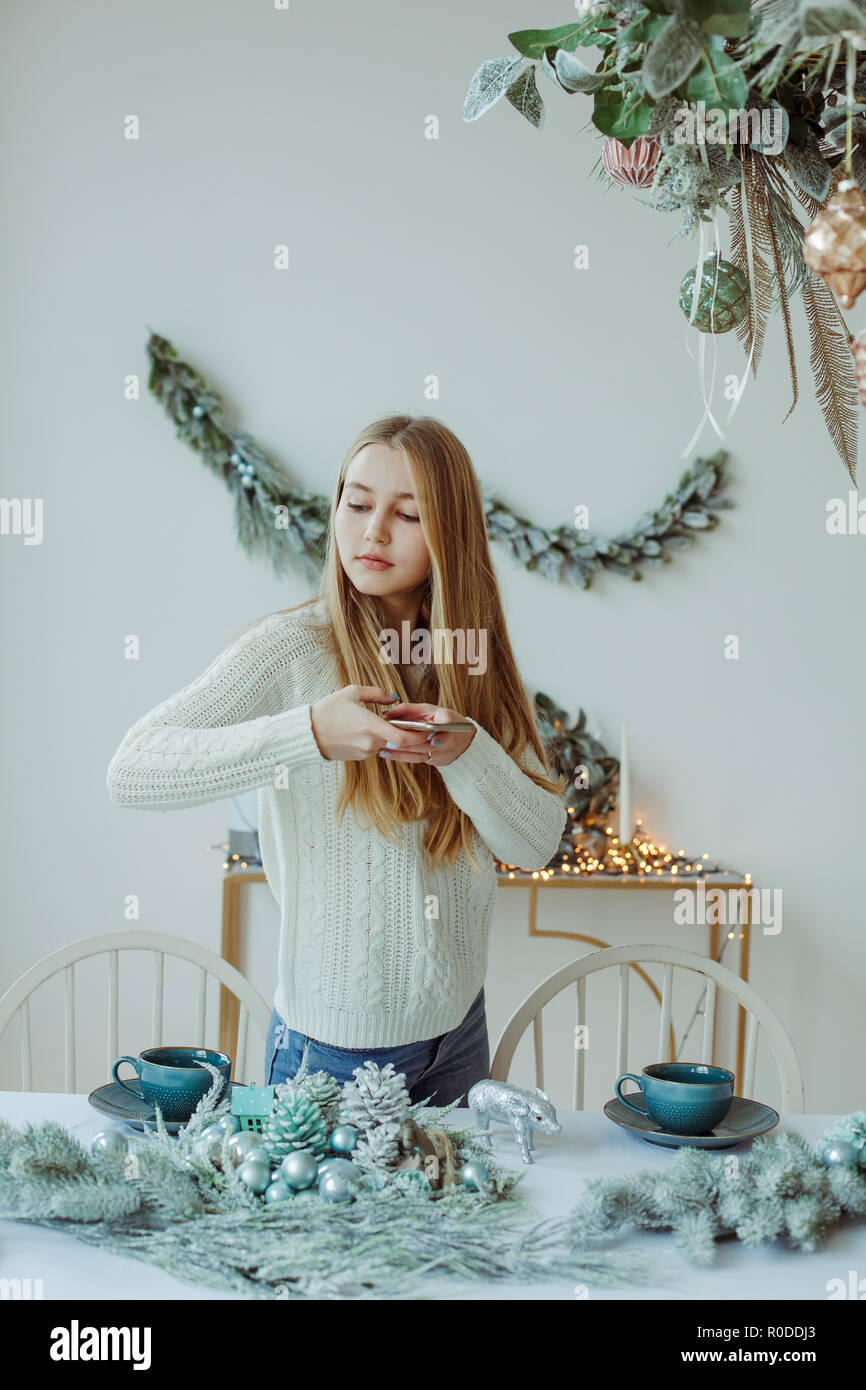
(589, 1145)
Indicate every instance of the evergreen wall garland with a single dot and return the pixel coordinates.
(289, 525)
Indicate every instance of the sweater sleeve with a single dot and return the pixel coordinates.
(223, 734)
(519, 821)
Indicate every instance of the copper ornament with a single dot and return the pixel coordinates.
(858, 348)
(834, 245)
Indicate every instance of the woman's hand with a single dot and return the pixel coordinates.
(444, 747)
(347, 732)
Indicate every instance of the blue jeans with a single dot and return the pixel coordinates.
(443, 1068)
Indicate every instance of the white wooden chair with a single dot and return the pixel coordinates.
(18, 995)
(759, 1015)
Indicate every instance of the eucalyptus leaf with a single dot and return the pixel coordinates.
(673, 55)
(643, 30)
(610, 118)
(571, 74)
(829, 17)
(719, 81)
(532, 42)
(526, 98)
(489, 84)
(808, 168)
(727, 17)
(550, 565)
(775, 127)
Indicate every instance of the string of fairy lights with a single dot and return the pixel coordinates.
(639, 858)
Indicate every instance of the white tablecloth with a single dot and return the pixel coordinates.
(588, 1145)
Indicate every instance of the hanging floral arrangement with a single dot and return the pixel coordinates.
(750, 109)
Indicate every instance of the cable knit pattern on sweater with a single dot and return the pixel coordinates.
(363, 961)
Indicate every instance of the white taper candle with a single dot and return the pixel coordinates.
(625, 825)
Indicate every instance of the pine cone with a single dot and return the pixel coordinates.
(321, 1087)
(377, 1095)
(296, 1122)
(379, 1147)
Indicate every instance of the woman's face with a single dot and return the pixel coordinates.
(377, 515)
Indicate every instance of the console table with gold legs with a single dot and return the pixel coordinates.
(236, 879)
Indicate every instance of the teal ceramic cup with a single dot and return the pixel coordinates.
(682, 1097)
(171, 1078)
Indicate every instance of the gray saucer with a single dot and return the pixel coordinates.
(114, 1101)
(746, 1119)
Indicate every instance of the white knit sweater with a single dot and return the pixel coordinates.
(361, 961)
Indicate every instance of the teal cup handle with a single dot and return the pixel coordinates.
(133, 1062)
(638, 1081)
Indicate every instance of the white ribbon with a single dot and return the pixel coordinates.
(702, 347)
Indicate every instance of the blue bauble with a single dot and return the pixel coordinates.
(334, 1187)
(837, 1153)
(109, 1141)
(474, 1176)
(278, 1192)
(344, 1138)
(198, 411)
(344, 1166)
(255, 1174)
(299, 1169)
(226, 1124)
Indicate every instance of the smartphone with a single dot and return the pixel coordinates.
(428, 727)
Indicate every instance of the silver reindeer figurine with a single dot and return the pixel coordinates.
(525, 1111)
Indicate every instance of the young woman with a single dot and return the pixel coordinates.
(378, 843)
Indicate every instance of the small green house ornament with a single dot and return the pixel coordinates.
(253, 1106)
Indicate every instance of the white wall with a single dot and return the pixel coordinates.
(409, 257)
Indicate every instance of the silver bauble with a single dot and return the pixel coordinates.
(201, 1150)
(299, 1169)
(343, 1166)
(254, 1174)
(837, 1153)
(242, 1144)
(210, 1142)
(109, 1141)
(227, 1124)
(334, 1187)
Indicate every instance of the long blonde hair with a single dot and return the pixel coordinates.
(461, 594)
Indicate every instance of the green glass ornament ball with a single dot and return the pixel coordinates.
(723, 296)
(299, 1169)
